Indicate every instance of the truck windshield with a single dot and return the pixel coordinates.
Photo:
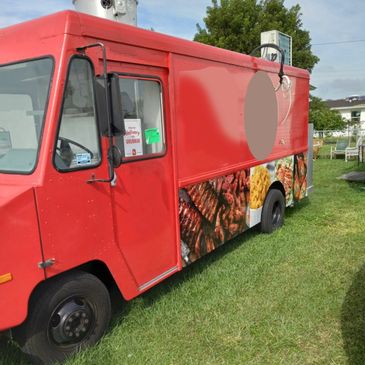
(24, 88)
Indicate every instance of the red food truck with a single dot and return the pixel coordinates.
(126, 155)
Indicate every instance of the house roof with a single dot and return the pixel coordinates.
(349, 102)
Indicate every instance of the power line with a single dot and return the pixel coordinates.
(340, 42)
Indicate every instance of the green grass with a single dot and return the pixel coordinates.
(294, 297)
(325, 151)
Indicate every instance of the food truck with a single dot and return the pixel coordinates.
(126, 155)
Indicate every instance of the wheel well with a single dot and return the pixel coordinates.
(96, 268)
(279, 186)
(101, 271)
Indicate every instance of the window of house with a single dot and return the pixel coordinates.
(77, 143)
(355, 116)
(143, 119)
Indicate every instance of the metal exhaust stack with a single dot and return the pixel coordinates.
(122, 11)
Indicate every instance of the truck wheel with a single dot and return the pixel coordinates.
(67, 314)
(272, 216)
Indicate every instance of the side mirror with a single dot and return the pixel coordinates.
(116, 156)
(101, 105)
(116, 109)
(117, 126)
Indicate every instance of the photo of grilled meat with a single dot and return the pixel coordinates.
(204, 199)
(300, 176)
(213, 212)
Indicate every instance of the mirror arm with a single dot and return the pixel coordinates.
(108, 114)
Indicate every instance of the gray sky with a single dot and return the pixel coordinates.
(340, 72)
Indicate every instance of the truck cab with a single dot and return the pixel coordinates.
(56, 166)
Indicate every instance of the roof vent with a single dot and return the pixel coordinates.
(122, 11)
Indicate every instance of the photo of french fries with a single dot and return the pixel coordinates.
(260, 184)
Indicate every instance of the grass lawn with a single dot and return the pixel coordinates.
(294, 297)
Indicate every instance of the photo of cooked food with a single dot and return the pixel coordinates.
(300, 176)
(284, 171)
(260, 184)
(212, 212)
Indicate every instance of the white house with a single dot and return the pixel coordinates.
(352, 108)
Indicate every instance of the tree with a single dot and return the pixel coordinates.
(237, 24)
(323, 117)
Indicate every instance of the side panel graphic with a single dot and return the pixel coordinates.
(212, 212)
(262, 176)
(215, 211)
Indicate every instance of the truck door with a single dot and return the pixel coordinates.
(81, 221)
(144, 198)
(75, 216)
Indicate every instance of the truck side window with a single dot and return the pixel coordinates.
(143, 118)
(77, 143)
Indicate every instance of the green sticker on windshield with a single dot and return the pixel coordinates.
(152, 135)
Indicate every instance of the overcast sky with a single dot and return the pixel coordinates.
(340, 73)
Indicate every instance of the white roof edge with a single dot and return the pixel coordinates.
(348, 107)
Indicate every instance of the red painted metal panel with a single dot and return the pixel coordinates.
(76, 218)
(112, 31)
(145, 204)
(210, 125)
(77, 224)
(86, 26)
(20, 252)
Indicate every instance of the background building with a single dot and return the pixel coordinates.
(352, 109)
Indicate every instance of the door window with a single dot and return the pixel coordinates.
(77, 143)
(143, 119)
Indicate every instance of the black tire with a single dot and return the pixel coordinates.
(66, 314)
(273, 211)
